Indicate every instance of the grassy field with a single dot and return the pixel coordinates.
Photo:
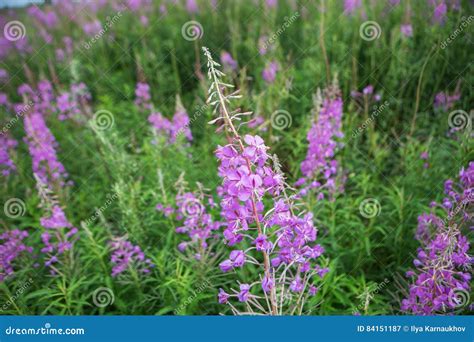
(121, 172)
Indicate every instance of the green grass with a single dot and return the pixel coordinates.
(381, 163)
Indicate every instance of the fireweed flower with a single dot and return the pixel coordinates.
(352, 6)
(443, 263)
(424, 156)
(172, 129)
(444, 101)
(406, 30)
(70, 104)
(7, 146)
(228, 62)
(125, 256)
(143, 97)
(197, 223)
(261, 222)
(59, 234)
(42, 147)
(320, 168)
(11, 247)
(270, 72)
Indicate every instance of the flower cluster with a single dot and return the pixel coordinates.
(228, 62)
(70, 104)
(143, 96)
(125, 255)
(7, 145)
(270, 72)
(173, 128)
(442, 276)
(11, 247)
(367, 95)
(319, 167)
(197, 223)
(42, 146)
(59, 234)
(260, 220)
(444, 101)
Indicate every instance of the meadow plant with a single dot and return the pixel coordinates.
(126, 256)
(320, 168)
(441, 280)
(261, 222)
(11, 247)
(7, 146)
(59, 234)
(42, 147)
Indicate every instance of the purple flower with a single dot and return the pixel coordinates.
(7, 146)
(442, 260)
(92, 28)
(270, 71)
(350, 6)
(406, 30)
(192, 6)
(125, 256)
(11, 247)
(223, 296)
(267, 283)
(228, 62)
(319, 168)
(244, 292)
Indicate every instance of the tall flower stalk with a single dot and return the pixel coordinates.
(260, 218)
(441, 281)
(320, 168)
